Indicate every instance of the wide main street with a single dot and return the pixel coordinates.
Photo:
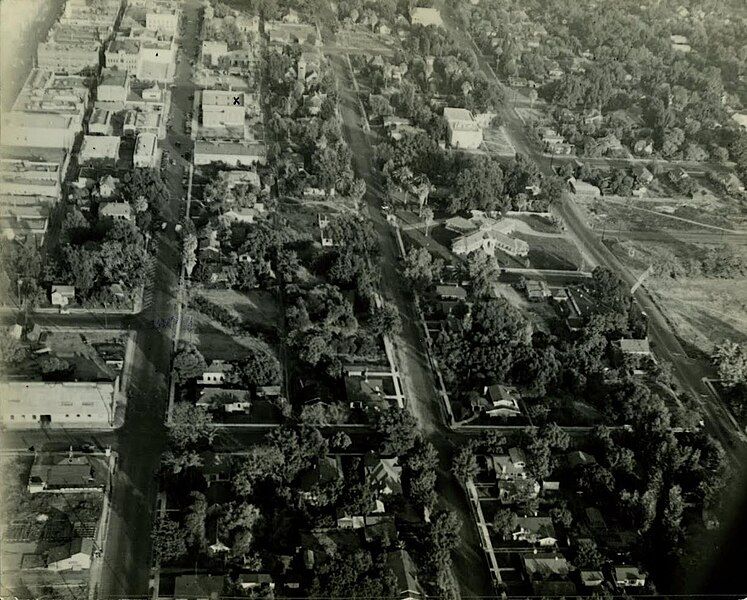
(417, 379)
(141, 440)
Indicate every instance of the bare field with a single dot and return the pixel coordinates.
(703, 310)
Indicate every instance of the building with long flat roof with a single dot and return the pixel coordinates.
(69, 57)
(39, 129)
(233, 154)
(34, 404)
(95, 147)
(146, 147)
(47, 91)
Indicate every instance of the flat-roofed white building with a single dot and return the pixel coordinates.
(47, 91)
(146, 147)
(114, 86)
(33, 404)
(212, 51)
(144, 121)
(233, 154)
(223, 108)
(463, 130)
(420, 15)
(100, 122)
(99, 147)
(165, 19)
(39, 129)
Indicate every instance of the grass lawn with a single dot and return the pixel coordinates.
(215, 342)
(538, 223)
(551, 253)
(257, 307)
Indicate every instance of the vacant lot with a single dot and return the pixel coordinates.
(551, 253)
(257, 307)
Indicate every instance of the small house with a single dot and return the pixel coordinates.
(626, 576)
(62, 295)
(215, 374)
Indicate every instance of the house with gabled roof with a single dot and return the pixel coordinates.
(384, 474)
(404, 569)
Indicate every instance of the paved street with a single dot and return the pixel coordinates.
(417, 379)
(142, 439)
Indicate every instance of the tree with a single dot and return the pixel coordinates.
(169, 540)
(587, 554)
(263, 461)
(443, 537)
(465, 464)
(562, 516)
(386, 320)
(180, 460)
(12, 351)
(190, 424)
(484, 273)
(479, 184)
(505, 521)
(258, 368)
(556, 437)
(731, 360)
(421, 268)
(188, 363)
(398, 430)
(427, 215)
(194, 520)
(52, 365)
(340, 440)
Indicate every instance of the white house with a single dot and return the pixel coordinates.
(115, 210)
(463, 130)
(629, 577)
(61, 295)
(215, 373)
(426, 16)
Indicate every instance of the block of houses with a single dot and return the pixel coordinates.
(463, 131)
(535, 530)
(384, 474)
(62, 295)
(225, 399)
(215, 374)
(119, 211)
(73, 556)
(497, 401)
(627, 576)
(67, 475)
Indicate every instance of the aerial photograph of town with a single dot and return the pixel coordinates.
(373, 299)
